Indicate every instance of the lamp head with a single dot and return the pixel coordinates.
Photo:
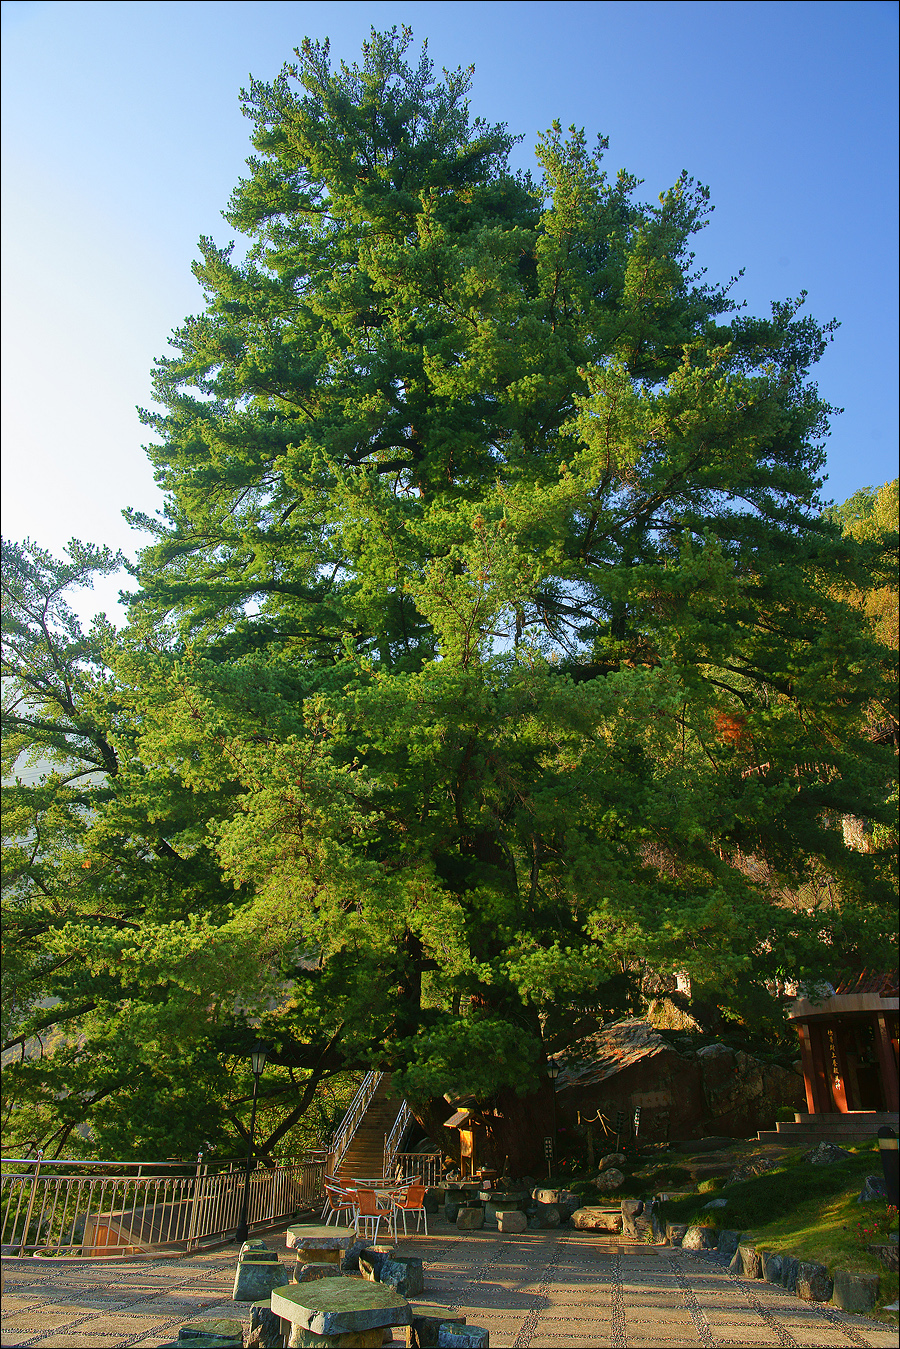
(258, 1057)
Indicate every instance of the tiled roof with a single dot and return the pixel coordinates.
(614, 1047)
(870, 981)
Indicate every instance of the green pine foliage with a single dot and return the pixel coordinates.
(492, 650)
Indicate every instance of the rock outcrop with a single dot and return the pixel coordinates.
(683, 1093)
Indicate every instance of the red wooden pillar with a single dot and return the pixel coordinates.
(887, 1062)
(809, 1069)
(837, 1066)
(824, 1105)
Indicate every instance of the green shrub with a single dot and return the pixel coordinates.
(785, 1112)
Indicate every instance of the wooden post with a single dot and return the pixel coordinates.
(887, 1062)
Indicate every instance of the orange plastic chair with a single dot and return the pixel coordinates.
(339, 1201)
(413, 1201)
(369, 1213)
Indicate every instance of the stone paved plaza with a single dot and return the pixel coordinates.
(541, 1289)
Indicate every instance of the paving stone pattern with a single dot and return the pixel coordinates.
(541, 1289)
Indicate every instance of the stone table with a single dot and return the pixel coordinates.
(335, 1312)
(315, 1243)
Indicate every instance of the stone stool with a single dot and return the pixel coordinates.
(426, 1322)
(211, 1333)
(317, 1270)
(259, 1271)
(332, 1313)
(462, 1337)
(404, 1273)
(267, 1330)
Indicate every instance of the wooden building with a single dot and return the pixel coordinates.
(849, 1053)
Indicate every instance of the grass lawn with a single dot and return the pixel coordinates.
(807, 1211)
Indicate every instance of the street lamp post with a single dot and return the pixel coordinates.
(257, 1063)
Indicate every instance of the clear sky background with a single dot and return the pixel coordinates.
(123, 139)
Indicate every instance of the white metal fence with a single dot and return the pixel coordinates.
(120, 1208)
(426, 1165)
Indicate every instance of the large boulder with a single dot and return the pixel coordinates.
(813, 1283)
(612, 1159)
(610, 1180)
(825, 1154)
(855, 1292)
(700, 1239)
(751, 1263)
(753, 1166)
(729, 1240)
(873, 1189)
(683, 1093)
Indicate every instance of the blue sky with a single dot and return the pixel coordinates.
(123, 138)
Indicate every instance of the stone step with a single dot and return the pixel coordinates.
(813, 1136)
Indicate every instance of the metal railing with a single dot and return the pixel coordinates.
(92, 1209)
(393, 1140)
(425, 1164)
(343, 1135)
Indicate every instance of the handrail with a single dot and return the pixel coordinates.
(107, 1216)
(343, 1135)
(87, 1161)
(392, 1141)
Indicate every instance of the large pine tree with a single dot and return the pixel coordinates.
(491, 650)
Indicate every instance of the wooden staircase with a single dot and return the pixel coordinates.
(365, 1155)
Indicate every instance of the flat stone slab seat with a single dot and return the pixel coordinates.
(596, 1218)
(314, 1242)
(336, 1312)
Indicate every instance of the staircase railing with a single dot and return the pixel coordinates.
(343, 1135)
(393, 1140)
